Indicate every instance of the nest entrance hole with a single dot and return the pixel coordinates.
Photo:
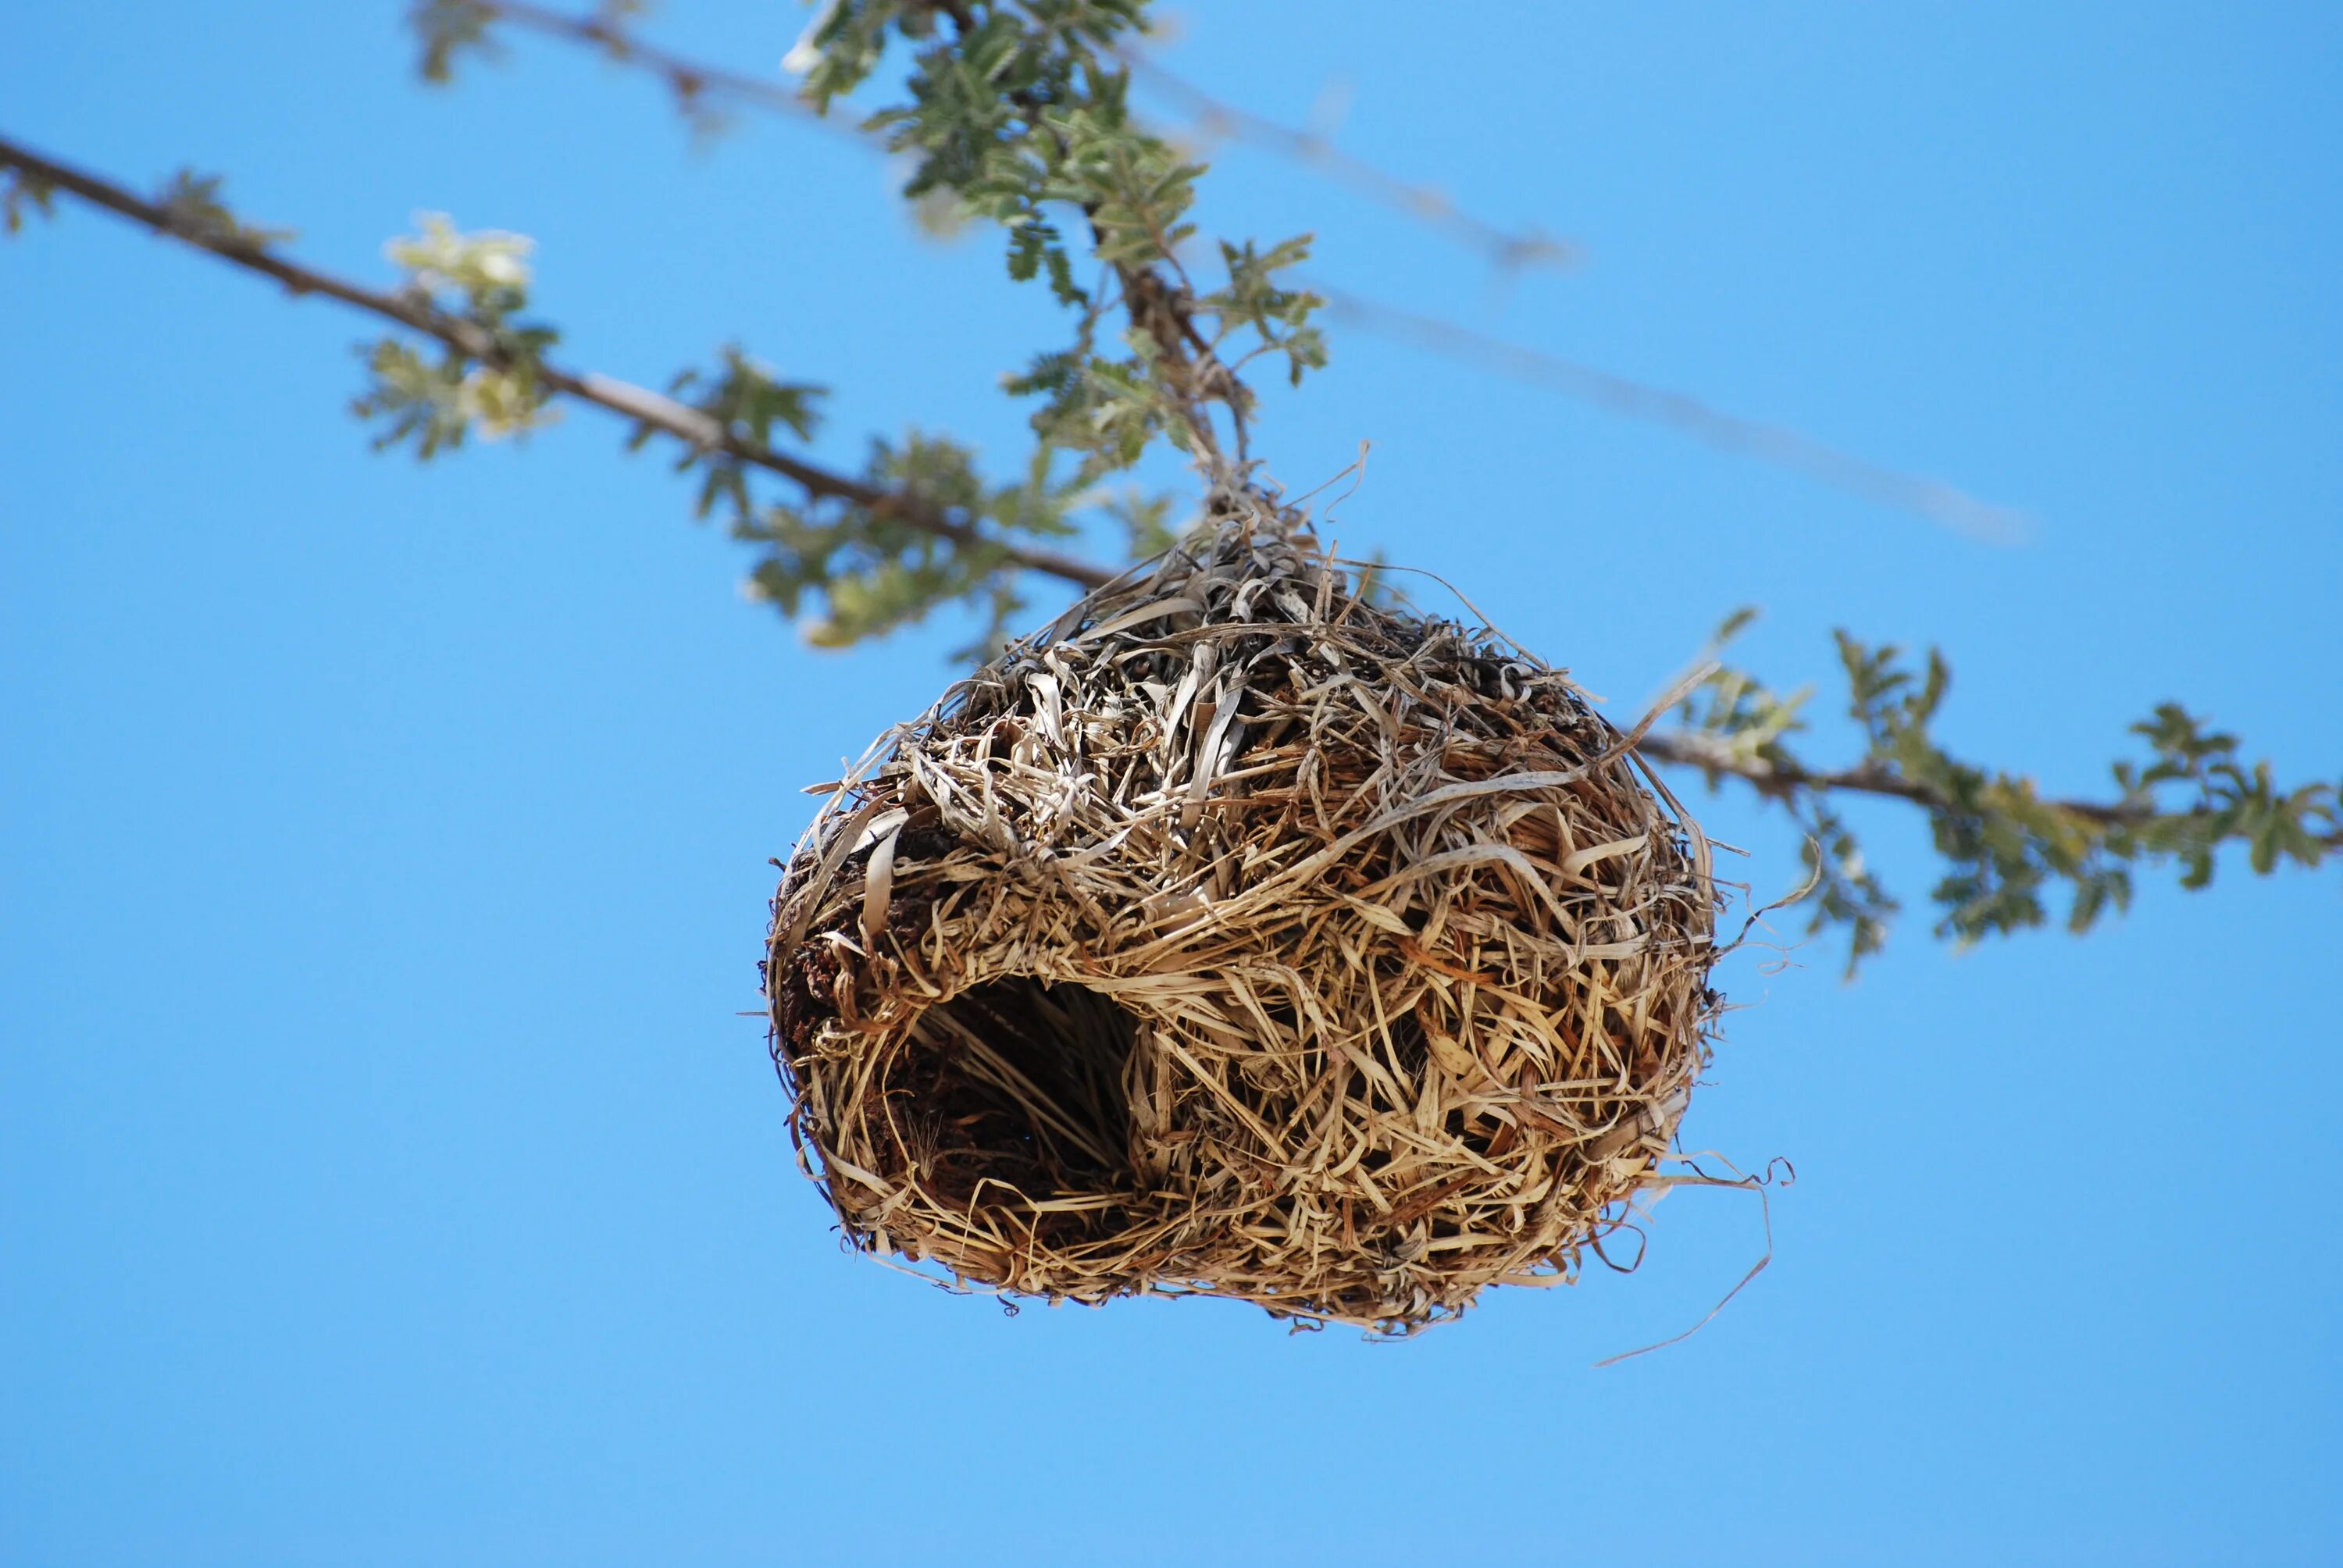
(1022, 1086)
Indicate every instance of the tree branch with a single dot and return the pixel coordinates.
(1784, 779)
(645, 407)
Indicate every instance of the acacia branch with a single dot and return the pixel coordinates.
(651, 409)
(1787, 779)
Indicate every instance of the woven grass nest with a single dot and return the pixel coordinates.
(1241, 935)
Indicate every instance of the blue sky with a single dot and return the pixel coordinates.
(387, 1175)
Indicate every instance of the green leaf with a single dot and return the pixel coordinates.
(22, 191)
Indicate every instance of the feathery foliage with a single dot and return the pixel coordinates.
(2007, 850)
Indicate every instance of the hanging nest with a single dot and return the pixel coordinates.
(1242, 936)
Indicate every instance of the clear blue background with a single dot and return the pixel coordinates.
(387, 1175)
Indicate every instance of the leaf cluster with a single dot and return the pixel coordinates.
(864, 559)
(877, 571)
(432, 400)
(1020, 114)
(1746, 726)
(448, 31)
(2220, 799)
(22, 191)
(2007, 848)
(192, 204)
(850, 566)
(1011, 113)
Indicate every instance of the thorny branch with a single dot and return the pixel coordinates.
(647, 408)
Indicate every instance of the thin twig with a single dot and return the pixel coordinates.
(640, 404)
(1687, 414)
(690, 80)
(1512, 249)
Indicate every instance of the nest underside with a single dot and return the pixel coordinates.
(1242, 935)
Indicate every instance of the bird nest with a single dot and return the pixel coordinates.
(1241, 935)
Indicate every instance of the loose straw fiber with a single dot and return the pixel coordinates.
(1239, 936)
